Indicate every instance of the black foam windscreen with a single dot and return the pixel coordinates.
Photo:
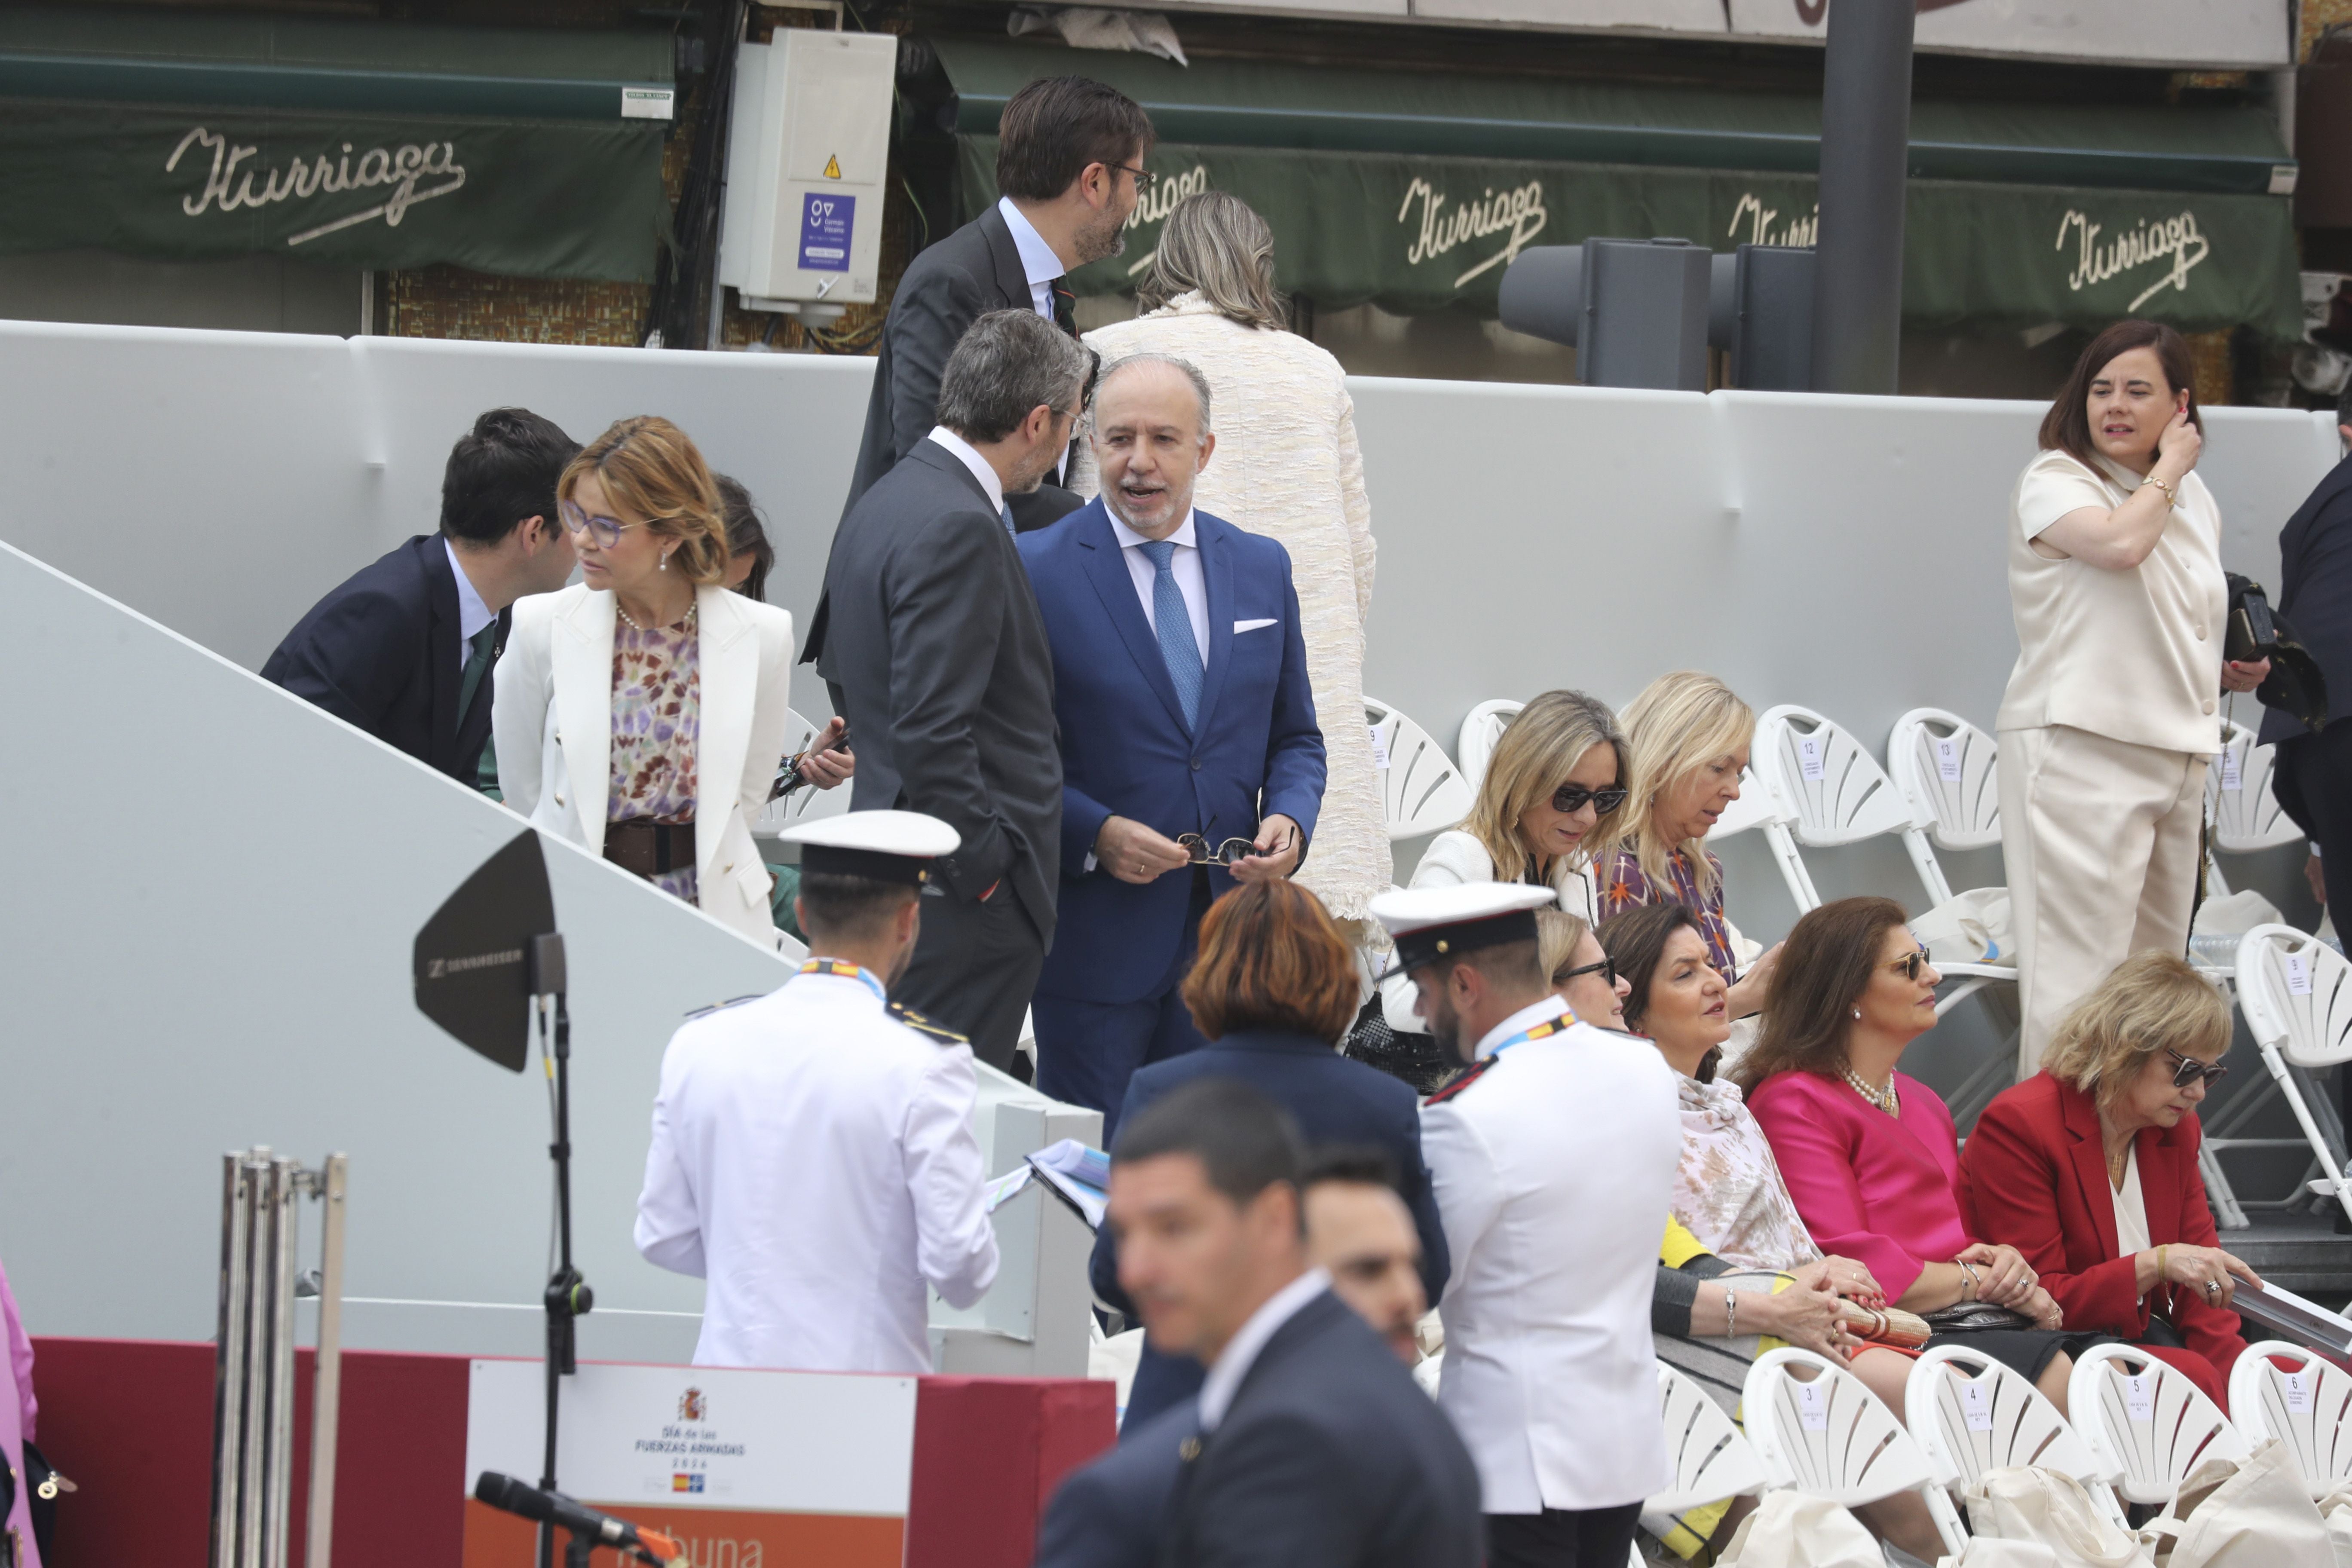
(471, 960)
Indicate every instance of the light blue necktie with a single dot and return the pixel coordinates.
(1007, 515)
(1174, 624)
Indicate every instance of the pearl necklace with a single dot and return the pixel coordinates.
(1885, 1099)
(684, 620)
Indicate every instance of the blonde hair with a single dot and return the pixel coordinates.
(1216, 244)
(1557, 934)
(2149, 1001)
(1530, 762)
(651, 469)
(1680, 723)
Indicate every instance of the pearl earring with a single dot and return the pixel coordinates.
(1857, 1015)
(665, 566)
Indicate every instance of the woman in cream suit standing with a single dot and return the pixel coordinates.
(642, 712)
(1288, 468)
(2116, 583)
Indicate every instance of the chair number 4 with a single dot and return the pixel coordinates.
(1975, 1404)
(1812, 1407)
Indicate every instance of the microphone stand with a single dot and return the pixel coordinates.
(568, 1296)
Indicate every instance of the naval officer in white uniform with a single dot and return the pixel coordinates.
(813, 1152)
(1553, 1158)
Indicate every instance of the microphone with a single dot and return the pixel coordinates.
(511, 1496)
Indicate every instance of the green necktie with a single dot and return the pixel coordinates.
(478, 665)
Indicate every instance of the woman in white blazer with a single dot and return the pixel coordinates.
(1553, 797)
(642, 712)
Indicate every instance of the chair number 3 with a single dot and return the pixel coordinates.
(1812, 1407)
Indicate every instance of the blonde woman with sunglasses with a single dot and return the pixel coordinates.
(2089, 1168)
(1552, 798)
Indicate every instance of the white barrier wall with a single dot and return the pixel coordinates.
(207, 926)
(1844, 554)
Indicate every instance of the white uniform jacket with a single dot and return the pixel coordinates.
(814, 1161)
(1554, 1167)
(551, 711)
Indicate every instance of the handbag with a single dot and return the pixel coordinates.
(2254, 1513)
(1790, 1530)
(1976, 1318)
(1889, 1326)
(2021, 1503)
(1417, 1059)
(47, 1483)
(2296, 684)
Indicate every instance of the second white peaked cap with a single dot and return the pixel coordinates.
(1429, 923)
(887, 846)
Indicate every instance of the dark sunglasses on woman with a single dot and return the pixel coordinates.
(1570, 799)
(2189, 1070)
(1606, 969)
(1909, 964)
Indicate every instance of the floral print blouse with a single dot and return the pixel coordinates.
(656, 718)
(1626, 886)
(1728, 1191)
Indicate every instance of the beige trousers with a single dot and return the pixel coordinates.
(2101, 838)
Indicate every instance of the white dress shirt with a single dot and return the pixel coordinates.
(969, 455)
(814, 1161)
(1184, 566)
(1549, 1370)
(2131, 1210)
(1038, 261)
(472, 613)
(1224, 1379)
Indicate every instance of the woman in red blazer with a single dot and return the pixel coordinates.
(2089, 1168)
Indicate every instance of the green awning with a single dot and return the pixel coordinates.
(1420, 234)
(1257, 104)
(185, 136)
(1413, 191)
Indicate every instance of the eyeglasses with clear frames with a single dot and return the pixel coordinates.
(607, 530)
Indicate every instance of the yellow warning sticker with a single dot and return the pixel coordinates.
(833, 167)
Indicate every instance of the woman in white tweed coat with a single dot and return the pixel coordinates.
(1288, 466)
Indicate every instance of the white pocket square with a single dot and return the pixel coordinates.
(1239, 627)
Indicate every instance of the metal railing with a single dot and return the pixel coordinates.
(253, 1378)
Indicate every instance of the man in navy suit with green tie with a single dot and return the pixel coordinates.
(1190, 757)
(403, 648)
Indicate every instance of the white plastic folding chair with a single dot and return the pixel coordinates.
(2296, 995)
(1481, 728)
(1831, 1438)
(1969, 1414)
(1422, 792)
(2146, 1425)
(2246, 815)
(1947, 771)
(2305, 1405)
(1712, 1460)
(804, 804)
(1837, 793)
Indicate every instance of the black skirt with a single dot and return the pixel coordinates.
(2027, 1351)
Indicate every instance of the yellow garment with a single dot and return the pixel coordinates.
(1686, 1538)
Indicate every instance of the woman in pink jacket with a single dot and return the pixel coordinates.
(1870, 1154)
(17, 1409)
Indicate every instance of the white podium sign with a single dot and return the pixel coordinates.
(751, 1469)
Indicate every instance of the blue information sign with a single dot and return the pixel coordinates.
(824, 231)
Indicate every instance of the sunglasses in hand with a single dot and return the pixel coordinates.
(1232, 852)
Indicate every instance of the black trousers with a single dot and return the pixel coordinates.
(2313, 780)
(1563, 1537)
(974, 967)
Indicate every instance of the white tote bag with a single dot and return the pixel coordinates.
(1790, 1530)
(2257, 1514)
(2021, 1503)
(1973, 927)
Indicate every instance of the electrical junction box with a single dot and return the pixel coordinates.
(807, 150)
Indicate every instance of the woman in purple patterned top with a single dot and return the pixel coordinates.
(1690, 736)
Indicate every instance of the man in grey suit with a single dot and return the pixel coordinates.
(937, 657)
(1070, 166)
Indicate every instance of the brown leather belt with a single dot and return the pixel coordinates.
(648, 847)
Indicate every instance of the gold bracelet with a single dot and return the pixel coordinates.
(2171, 497)
(2160, 1268)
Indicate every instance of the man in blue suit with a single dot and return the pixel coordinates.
(1190, 753)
